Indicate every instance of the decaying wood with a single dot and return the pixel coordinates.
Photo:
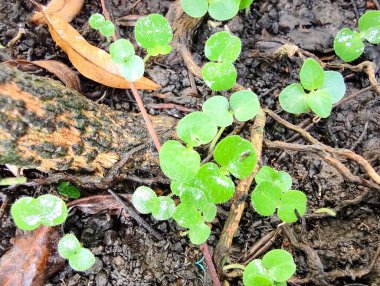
(47, 126)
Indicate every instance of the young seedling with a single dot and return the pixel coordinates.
(65, 189)
(348, 44)
(29, 213)
(223, 49)
(105, 27)
(326, 88)
(273, 192)
(80, 258)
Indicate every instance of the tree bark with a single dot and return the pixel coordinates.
(47, 126)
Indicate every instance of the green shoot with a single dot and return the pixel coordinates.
(105, 27)
(12, 181)
(96, 20)
(65, 189)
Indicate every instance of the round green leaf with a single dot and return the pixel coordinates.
(236, 155)
(334, 85)
(177, 162)
(291, 201)
(199, 233)
(107, 28)
(217, 187)
(223, 47)
(195, 196)
(195, 8)
(122, 51)
(245, 4)
(222, 10)
(217, 107)
(209, 212)
(152, 32)
(293, 99)
(255, 274)
(284, 181)
(312, 75)
(245, 105)
(164, 209)
(279, 178)
(96, 20)
(219, 76)
(70, 191)
(196, 128)
(133, 69)
(53, 210)
(82, 260)
(68, 245)
(178, 187)
(145, 200)
(160, 50)
(25, 213)
(369, 25)
(186, 215)
(320, 102)
(266, 197)
(348, 45)
(279, 264)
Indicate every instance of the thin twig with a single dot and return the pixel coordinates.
(210, 265)
(107, 16)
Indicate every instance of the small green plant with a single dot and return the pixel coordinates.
(273, 192)
(80, 258)
(105, 27)
(220, 10)
(326, 88)
(222, 49)
(65, 189)
(348, 44)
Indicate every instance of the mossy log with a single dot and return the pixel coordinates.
(47, 126)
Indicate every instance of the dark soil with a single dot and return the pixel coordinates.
(126, 254)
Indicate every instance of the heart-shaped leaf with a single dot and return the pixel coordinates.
(217, 107)
(266, 197)
(255, 274)
(223, 47)
(348, 45)
(334, 85)
(279, 263)
(291, 201)
(186, 215)
(199, 233)
(219, 76)
(145, 200)
(245, 105)
(280, 178)
(293, 99)
(312, 75)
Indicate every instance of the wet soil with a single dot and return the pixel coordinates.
(126, 254)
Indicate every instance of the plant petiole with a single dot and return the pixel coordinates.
(146, 58)
(215, 140)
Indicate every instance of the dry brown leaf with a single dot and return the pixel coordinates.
(32, 259)
(67, 9)
(99, 203)
(90, 61)
(60, 70)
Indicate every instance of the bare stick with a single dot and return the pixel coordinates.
(210, 265)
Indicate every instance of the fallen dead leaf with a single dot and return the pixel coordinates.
(32, 259)
(67, 9)
(99, 203)
(90, 61)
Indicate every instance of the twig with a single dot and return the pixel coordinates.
(210, 265)
(361, 137)
(170, 106)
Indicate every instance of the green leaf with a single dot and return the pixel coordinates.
(223, 10)
(145, 200)
(236, 155)
(209, 212)
(195, 8)
(217, 187)
(53, 210)
(369, 25)
(348, 45)
(178, 187)
(255, 274)
(279, 178)
(245, 4)
(161, 50)
(284, 181)
(68, 245)
(122, 51)
(223, 47)
(133, 69)
(25, 213)
(196, 128)
(279, 264)
(219, 76)
(293, 99)
(291, 201)
(65, 189)
(82, 260)
(195, 196)
(107, 28)
(312, 75)
(334, 85)
(217, 107)
(245, 105)
(186, 215)
(266, 197)
(96, 20)
(153, 32)
(199, 233)
(320, 103)
(164, 209)
(13, 180)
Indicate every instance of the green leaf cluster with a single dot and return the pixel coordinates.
(80, 258)
(29, 213)
(326, 88)
(273, 192)
(274, 269)
(348, 44)
(105, 27)
(222, 49)
(65, 189)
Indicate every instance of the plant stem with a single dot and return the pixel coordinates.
(234, 266)
(146, 58)
(210, 265)
(145, 115)
(216, 138)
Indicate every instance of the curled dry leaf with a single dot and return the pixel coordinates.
(90, 61)
(32, 259)
(67, 9)
(99, 203)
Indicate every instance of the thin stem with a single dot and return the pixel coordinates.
(145, 115)
(210, 265)
(216, 138)
(146, 58)
(234, 266)
(108, 17)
